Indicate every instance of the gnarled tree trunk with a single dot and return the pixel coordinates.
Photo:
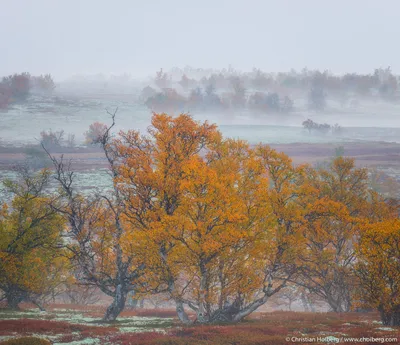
(117, 305)
(13, 301)
(390, 318)
(14, 297)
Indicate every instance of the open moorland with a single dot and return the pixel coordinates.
(71, 324)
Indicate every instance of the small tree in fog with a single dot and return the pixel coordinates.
(239, 92)
(36, 159)
(43, 83)
(19, 85)
(211, 99)
(317, 94)
(317, 98)
(162, 80)
(196, 98)
(336, 129)
(146, 93)
(273, 101)
(95, 133)
(186, 82)
(71, 140)
(5, 96)
(52, 140)
(287, 105)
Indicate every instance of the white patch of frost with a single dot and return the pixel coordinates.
(386, 329)
(87, 341)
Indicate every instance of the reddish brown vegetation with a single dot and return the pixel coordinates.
(267, 329)
(95, 132)
(164, 313)
(271, 329)
(29, 326)
(17, 87)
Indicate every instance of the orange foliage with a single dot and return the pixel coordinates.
(189, 194)
(95, 132)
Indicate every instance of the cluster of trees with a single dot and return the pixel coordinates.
(17, 87)
(216, 225)
(272, 90)
(169, 100)
(381, 82)
(322, 128)
(59, 141)
(56, 139)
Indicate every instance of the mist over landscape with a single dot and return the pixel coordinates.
(107, 54)
(211, 172)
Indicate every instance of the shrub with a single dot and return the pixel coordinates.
(186, 82)
(317, 99)
(71, 140)
(24, 326)
(323, 128)
(95, 132)
(196, 98)
(26, 341)
(167, 101)
(162, 80)
(43, 83)
(287, 105)
(336, 129)
(5, 96)
(19, 85)
(51, 139)
(36, 158)
(147, 92)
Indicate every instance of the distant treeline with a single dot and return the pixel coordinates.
(17, 87)
(266, 92)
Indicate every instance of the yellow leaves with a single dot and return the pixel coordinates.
(30, 231)
(197, 206)
(379, 263)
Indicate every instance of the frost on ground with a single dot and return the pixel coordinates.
(386, 329)
(74, 115)
(125, 324)
(82, 326)
(132, 324)
(87, 341)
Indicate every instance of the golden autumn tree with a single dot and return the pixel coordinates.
(219, 222)
(287, 191)
(378, 264)
(31, 260)
(337, 201)
(149, 179)
(200, 213)
(215, 224)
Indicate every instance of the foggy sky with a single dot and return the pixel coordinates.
(63, 37)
